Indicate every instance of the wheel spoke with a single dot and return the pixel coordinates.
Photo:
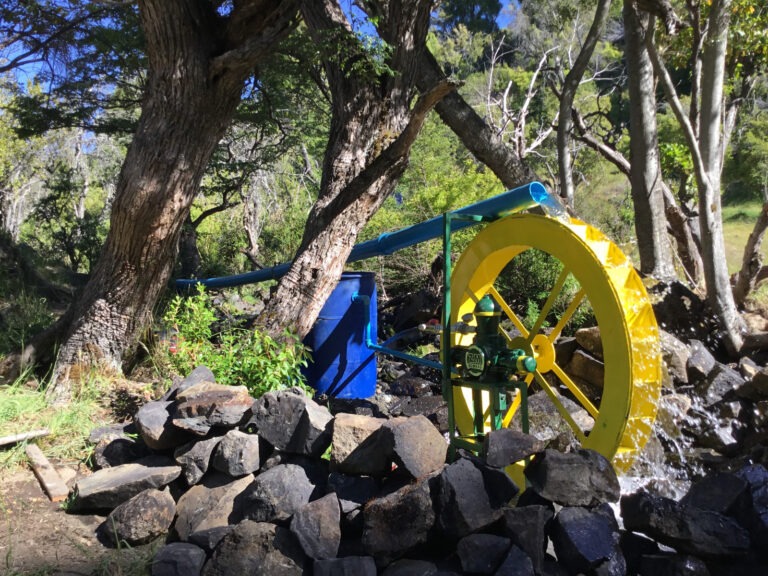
(554, 396)
(556, 290)
(576, 391)
(577, 299)
(508, 311)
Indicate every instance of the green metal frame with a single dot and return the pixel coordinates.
(497, 391)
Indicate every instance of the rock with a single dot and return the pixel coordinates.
(482, 553)
(720, 381)
(205, 405)
(588, 368)
(755, 518)
(209, 538)
(291, 422)
(673, 565)
(110, 452)
(275, 495)
(237, 454)
(506, 446)
(141, 519)
(756, 386)
(112, 432)
(587, 542)
(634, 547)
(409, 567)
(348, 566)
(351, 450)
(210, 504)
(434, 408)
(463, 505)
(317, 527)
(672, 409)
(409, 385)
(689, 530)
(700, 363)
(197, 376)
(195, 457)
(415, 445)
(517, 563)
(590, 340)
(720, 492)
(109, 487)
(675, 355)
(398, 522)
(153, 422)
(526, 527)
(178, 559)
(581, 478)
(352, 491)
(257, 549)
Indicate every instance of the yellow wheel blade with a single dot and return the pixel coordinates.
(626, 407)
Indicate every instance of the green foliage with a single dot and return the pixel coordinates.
(23, 315)
(526, 284)
(747, 167)
(236, 356)
(57, 230)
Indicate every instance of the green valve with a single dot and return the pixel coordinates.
(526, 364)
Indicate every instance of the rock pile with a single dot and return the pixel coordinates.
(280, 485)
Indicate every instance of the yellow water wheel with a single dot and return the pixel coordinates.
(591, 273)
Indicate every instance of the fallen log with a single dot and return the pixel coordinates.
(14, 438)
(50, 480)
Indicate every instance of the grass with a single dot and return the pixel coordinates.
(23, 408)
(738, 221)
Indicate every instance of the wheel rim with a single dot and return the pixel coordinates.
(625, 412)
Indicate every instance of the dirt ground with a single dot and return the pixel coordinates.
(37, 537)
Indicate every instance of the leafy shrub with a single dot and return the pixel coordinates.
(236, 356)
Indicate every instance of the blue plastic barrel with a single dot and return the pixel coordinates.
(343, 366)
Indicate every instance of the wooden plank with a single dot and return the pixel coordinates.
(51, 481)
(14, 438)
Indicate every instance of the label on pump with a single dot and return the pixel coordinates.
(474, 361)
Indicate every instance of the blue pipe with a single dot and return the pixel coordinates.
(515, 200)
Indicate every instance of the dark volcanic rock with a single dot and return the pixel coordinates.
(110, 487)
(463, 505)
(198, 375)
(396, 523)
(506, 446)
(110, 452)
(205, 405)
(257, 549)
(292, 422)
(141, 519)
(153, 421)
(581, 478)
(317, 527)
(482, 553)
(237, 454)
(195, 457)
(687, 529)
(526, 526)
(347, 566)
(178, 559)
(275, 495)
(415, 445)
(210, 504)
(587, 542)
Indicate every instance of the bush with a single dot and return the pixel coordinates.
(236, 356)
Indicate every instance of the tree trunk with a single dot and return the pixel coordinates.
(706, 155)
(570, 85)
(645, 174)
(751, 262)
(372, 129)
(197, 69)
(719, 293)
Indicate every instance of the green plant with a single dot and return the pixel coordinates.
(236, 356)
